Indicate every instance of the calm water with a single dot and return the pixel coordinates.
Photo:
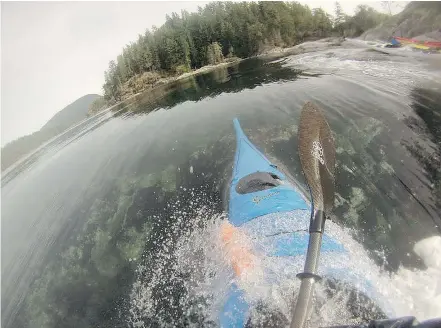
(94, 224)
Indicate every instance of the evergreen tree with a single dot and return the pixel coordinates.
(224, 29)
(340, 19)
(214, 53)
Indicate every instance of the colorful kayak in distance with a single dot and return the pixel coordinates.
(433, 46)
(263, 203)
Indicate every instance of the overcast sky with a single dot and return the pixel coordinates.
(52, 53)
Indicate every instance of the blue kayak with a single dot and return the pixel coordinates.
(264, 203)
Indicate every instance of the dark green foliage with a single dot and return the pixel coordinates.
(214, 53)
(217, 31)
(223, 30)
(340, 19)
(365, 18)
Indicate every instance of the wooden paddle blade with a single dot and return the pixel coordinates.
(317, 156)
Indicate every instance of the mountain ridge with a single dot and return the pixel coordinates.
(73, 113)
(418, 20)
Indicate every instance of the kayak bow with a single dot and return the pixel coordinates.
(258, 187)
(265, 205)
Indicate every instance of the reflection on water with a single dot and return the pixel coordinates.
(102, 211)
(248, 74)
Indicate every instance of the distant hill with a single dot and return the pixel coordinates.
(71, 114)
(68, 116)
(419, 20)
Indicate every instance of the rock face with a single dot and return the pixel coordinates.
(419, 20)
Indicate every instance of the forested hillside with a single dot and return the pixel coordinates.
(222, 30)
(365, 17)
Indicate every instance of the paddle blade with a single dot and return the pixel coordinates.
(317, 156)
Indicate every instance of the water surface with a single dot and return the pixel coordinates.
(95, 224)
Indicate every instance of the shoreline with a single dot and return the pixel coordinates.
(208, 68)
(274, 52)
(130, 93)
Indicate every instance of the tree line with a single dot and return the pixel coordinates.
(365, 18)
(225, 29)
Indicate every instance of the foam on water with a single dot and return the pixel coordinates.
(201, 267)
(419, 291)
(402, 67)
(408, 292)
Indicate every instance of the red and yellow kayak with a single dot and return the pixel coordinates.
(423, 45)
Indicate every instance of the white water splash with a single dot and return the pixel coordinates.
(408, 292)
(204, 270)
(359, 60)
(419, 291)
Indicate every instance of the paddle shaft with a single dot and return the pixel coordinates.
(309, 276)
(317, 156)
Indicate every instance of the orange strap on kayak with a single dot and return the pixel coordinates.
(237, 249)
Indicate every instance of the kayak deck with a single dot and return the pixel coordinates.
(258, 187)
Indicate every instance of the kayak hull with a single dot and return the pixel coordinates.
(272, 211)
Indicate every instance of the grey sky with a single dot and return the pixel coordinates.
(55, 52)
